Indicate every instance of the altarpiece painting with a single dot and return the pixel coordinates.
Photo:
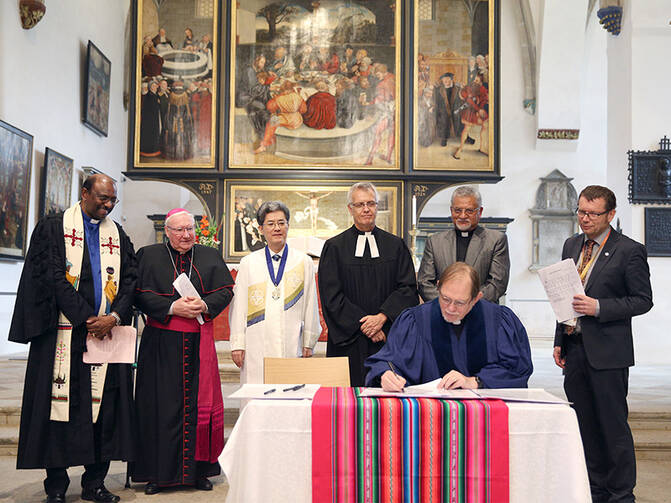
(315, 84)
(455, 117)
(175, 83)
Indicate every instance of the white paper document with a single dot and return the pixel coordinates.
(533, 395)
(426, 390)
(561, 282)
(185, 288)
(119, 348)
(276, 391)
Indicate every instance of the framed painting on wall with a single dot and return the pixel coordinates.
(318, 210)
(455, 85)
(175, 87)
(97, 106)
(315, 84)
(16, 154)
(56, 183)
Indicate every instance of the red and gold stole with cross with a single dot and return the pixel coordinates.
(110, 268)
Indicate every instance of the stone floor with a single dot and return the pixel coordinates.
(649, 396)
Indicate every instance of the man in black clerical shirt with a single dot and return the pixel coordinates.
(74, 413)
(486, 250)
(366, 279)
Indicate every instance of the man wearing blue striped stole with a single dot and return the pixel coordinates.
(274, 312)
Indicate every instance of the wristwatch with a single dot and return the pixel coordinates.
(116, 317)
(478, 381)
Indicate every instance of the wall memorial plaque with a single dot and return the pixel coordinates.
(650, 175)
(658, 232)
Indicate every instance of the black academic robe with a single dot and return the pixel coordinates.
(168, 364)
(43, 291)
(352, 287)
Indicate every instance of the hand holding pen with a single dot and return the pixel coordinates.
(391, 381)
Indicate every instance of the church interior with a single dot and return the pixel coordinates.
(571, 98)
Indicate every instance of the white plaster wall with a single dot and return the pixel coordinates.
(650, 79)
(522, 165)
(41, 90)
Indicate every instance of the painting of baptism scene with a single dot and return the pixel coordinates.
(454, 85)
(175, 88)
(314, 84)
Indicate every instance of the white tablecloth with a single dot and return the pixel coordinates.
(268, 457)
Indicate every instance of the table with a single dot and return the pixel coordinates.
(268, 457)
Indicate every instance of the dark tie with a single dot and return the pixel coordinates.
(276, 257)
(587, 249)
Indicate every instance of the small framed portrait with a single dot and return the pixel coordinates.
(318, 210)
(56, 183)
(97, 103)
(16, 154)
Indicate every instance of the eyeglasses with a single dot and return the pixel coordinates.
(590, 214)
(367, 204)
(467, 211)
(272, 224)
(104, 199)
(182, 230)
(459, 304)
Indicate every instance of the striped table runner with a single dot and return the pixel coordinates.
(423, 450)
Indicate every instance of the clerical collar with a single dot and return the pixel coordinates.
(464, 234)
(362, 239)
(89, 220)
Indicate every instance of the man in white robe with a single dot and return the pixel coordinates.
(274, 312)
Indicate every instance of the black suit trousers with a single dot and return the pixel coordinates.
(600, 400)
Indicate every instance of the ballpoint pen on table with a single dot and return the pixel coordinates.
(294, 388)
(393, 369)
(269, 391)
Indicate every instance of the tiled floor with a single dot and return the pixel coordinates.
(648, 392)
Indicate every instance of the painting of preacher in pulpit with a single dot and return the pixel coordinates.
(315, 84)
(455, 85)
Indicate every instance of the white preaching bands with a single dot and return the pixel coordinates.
(361, 245)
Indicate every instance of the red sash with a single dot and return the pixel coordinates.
(210, 426)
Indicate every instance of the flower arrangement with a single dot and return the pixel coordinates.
(207, 232)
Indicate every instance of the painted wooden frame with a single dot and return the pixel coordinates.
(175, 91)
(290, 59)
(56, 192)
(455, 85)
(318, 208)
(16, 155)
(97, 103)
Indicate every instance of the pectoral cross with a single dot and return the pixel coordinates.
(74, 237)
(110, 245)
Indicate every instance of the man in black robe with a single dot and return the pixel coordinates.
(180, 409)
(366, 279)
(448, 101)
(44, 290)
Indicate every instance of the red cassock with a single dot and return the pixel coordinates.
(321, 113)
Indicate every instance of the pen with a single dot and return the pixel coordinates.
(393, 369)
(269, 391)
(294, 388)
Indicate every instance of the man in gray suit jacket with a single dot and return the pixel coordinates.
(485, 250)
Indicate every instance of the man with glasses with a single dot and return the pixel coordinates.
(484, 249)
(275, 311)
(366, 279)
(78, 280)
(180, 411)
(460, 338)
(596, 350)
